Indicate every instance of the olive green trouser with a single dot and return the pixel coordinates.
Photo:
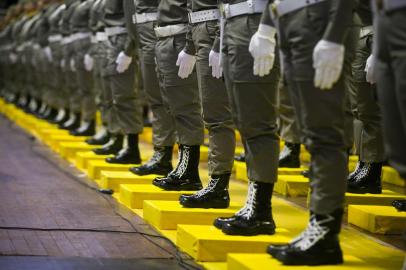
(57, 76)
(215, 103)
(287, 119)
(320, 114)
(100, 61)
(123, 110)
(181, 96)
(253, 100)
(371, 147)
(85, 80)
(390, 51)
(71, 83)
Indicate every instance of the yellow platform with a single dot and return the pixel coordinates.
(68, 150)
(166, 215)
(113, 180)
(292, 185)
(241, 171)
(377, 219)
(83, 159)
(265, 261)
(46, 133)
(146, 135)
(133, 196)
(391, 176)
(56, 139)
(386, 198)
(209, 244)
(95, 167)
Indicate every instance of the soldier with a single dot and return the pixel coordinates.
(124, 113)
(204, 42)
(178, 88)
(315, 42)
(81, 41)
(253, 99)
(163, 123)
(387, 67)
(367, 175)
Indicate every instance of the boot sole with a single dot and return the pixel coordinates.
(193, 187)
(323, 259)
(163, 173)
(205, 206)
(232, 231)
(364, 191)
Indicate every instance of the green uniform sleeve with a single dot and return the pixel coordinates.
(189, 46)
(340, 18)
(266, 15)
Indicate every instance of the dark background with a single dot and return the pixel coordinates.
(4, 4)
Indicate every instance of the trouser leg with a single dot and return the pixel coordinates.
(288, 126)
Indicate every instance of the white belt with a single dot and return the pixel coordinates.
(145, 17)
(170, 30)
(54, 38)
(287, 6)
(247, 7)
(117, 30)
(101, 36)
(365, 31)
(79, 36)
(93, 39)
(204, 15)
(66, 40)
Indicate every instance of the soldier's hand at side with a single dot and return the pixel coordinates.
(48, 53)
(186, 63)
(262, 49)
(328, 59)
(72, 65)
(89, 62)
(370, 69)
(215, 64)
(123, 62)
(13, 58)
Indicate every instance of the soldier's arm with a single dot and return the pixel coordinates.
(340, 18)
(266, 15)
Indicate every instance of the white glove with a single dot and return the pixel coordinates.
(72, 65)
(215, 64)
(89, 62)
(328, 59)
(123, 62)
(13, 58)
(186, 63)
(63, 63)
(370, 69)
(262, 49)
(48, 53)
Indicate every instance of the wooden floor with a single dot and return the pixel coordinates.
(47, 209)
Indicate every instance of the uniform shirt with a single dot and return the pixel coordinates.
(172, 12)
(65, 28)
(340, 17)
(55, 18)
(79, 21)
(365, 12)
(146, 6)
(43, 26)
(114, 13)
(96, 23)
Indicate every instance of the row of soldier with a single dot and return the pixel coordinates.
(203, 64)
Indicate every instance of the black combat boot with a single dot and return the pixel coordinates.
(256, 215)
(51, 114)
(368, 180)
(317, 245)
(61, 117)
(130, 154)
(215, 195)
(160, 162)
(240, 157)
(186, 174)
(100, 138)
(114, 145)
(87, 128)
(43, 114)
(351, 177)
(289, 157)
(400, 205)
(73, 122)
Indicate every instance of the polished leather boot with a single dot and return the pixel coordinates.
(100, 138)
(256, 215)
(73, 122)
(400, 205)
(351, 177)
(215, 195)
(61, 117)
(317, 245)
(160, 162)
(130, 154)
(51, 115)
(368, 180)
(186, 174)
(114, 146)
(289, 157)
(240, 157)
(87, 128)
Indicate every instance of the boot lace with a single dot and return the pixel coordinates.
(249, 208)
(210, 187)
(313, 233)
(155, 157)
(364, 171)
(184, 162)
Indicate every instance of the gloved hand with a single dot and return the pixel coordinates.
(63, 63)
(13, 58)
(48, 53)
(123, 62)
(214, 63)
(186, 63)
(262, 49)
(89, 62)
(370, 69)
(72, 65)
(328, 59)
